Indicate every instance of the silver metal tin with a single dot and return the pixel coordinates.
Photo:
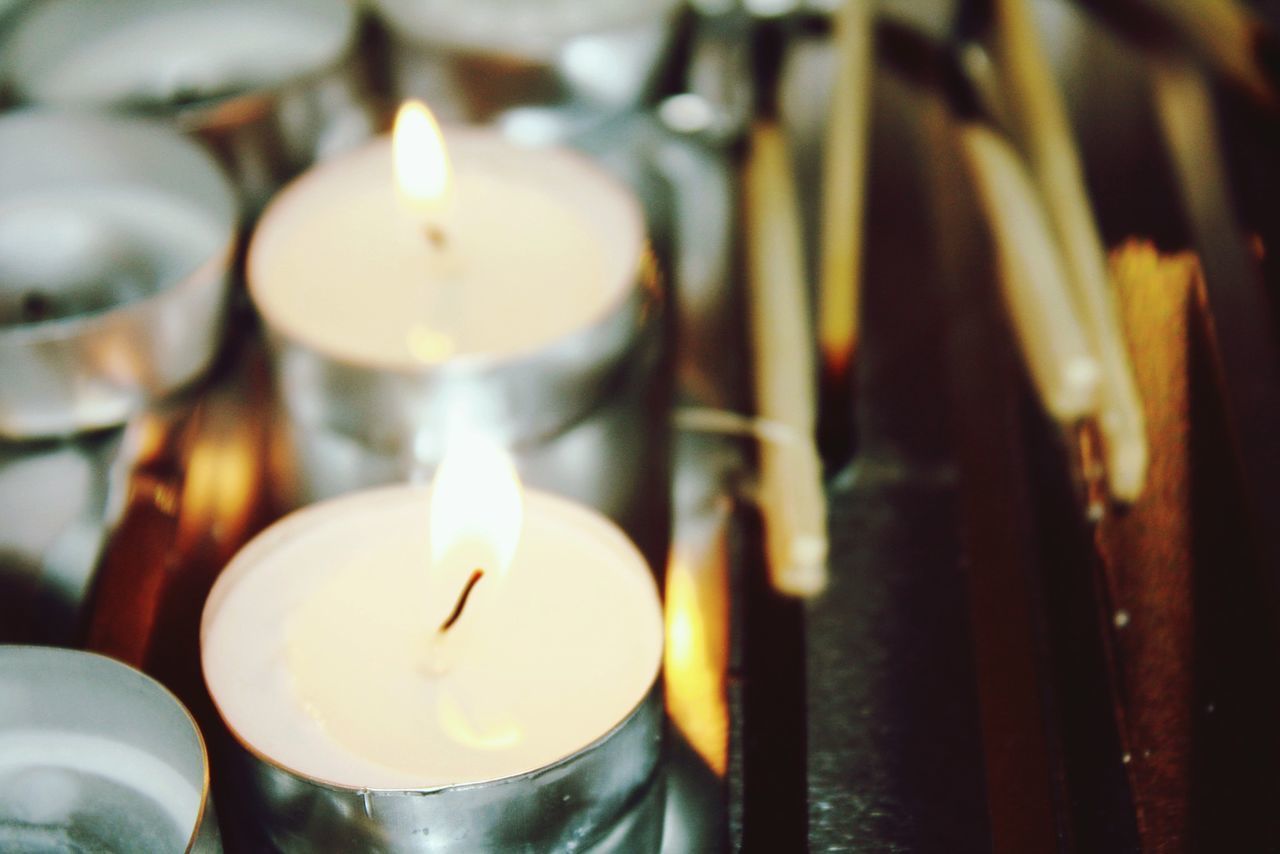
(543, 69)
(607, 797)
(264, 130)
(585, 417)
(79, 694)
(113, 348)
(54, 522)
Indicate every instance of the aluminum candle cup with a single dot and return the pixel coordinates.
(538, 729)
(54, 521)
(269, 84)
(116, 236)
(549, 67)
(538, 324)
(95, 756)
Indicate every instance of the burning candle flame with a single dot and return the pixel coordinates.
(477, 510)
(423, 174)
(476, 514)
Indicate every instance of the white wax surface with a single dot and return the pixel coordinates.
(539, 243)
(107, 53)
(22, 750)
(313, 645)
(86, 249)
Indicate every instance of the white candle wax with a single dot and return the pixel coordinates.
(537, 243)
(156, 51)
(314, 644)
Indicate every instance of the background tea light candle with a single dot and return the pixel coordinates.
(267, 84)
(315, 645)
(115, 241)
(96, 756)
(149, 53)
(546, 67)
(536, 320)
(539, 243)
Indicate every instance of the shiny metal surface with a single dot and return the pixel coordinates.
(264, 139)
(82, 694)
(585, 417)
(103, 361)
(55, 515)
(544, 70)
(264, 128)
(607, 797)
(140, 612)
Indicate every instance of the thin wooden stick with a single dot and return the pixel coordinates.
(1041, 121)
(1034, 283)
(1147, 552)
(1227, 34)
(843, 185)
(791, 473)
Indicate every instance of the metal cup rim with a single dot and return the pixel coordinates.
(108, 663)
(193, 116)
(64, 328)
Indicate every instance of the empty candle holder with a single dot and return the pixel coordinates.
(547, 68)
(95, 756)
(116, 238)
(270, 85)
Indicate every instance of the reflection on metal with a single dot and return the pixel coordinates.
(94, 352)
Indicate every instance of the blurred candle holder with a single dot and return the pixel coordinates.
(95, 756)
(538, 323)
(116, 237)
(544, 69)
(54, 519)
(270, 85)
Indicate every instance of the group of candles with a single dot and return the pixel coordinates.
(472, 641)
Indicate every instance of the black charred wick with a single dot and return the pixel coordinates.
(462, 600)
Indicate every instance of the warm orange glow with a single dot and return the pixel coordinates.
(423, 174)
(696, 656)
(477, 509)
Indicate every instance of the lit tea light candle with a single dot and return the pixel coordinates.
(397, 267)
(425, 639)
(438, 284)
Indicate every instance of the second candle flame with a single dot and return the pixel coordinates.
(477, 510)
(422, 171)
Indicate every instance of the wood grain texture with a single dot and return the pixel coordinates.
(1148, 550)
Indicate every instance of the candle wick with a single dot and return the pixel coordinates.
(436, 237)
(462, 600)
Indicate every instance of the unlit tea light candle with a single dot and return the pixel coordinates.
(410, 639)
